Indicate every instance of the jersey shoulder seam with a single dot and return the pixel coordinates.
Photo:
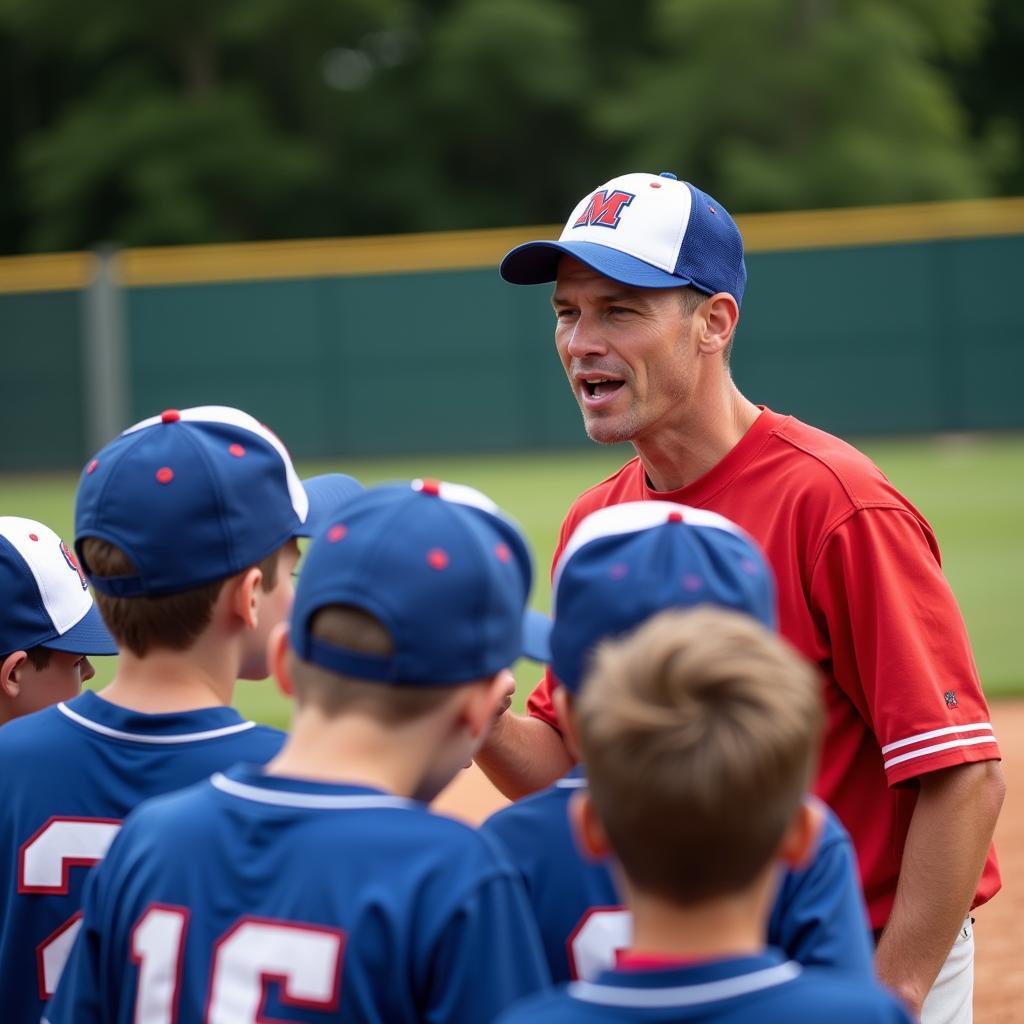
(866, 506)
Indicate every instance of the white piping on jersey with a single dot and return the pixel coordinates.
(935, 748)
(948, 731)
(684, 995)
(574, 783)
(141, 737)
(311, 801)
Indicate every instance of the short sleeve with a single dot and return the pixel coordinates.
(488, 956)
(899, 646)
(819, 918)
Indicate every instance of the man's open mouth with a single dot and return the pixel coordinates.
(601, 387)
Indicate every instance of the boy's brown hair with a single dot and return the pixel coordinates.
(170, 621)
(334, 694)
(699, 733)
(38, 657)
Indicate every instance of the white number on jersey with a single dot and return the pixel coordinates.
(44, 864)
(158, 945)
(601, 933)
(305, 961)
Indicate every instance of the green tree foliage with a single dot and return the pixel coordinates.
(211, 120)
(810, 103)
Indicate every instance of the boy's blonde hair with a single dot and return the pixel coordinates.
(334, 694)
(169, 621)
(699, 733)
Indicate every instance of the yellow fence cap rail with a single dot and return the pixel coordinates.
(466, 250)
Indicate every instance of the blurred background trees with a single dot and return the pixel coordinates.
(177, 121)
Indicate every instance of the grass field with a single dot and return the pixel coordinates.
(971, 489)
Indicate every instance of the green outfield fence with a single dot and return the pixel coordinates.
(874, 320)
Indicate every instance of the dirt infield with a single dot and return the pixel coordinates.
(999, 985)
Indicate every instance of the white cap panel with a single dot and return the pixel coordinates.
(62, 584)
(632, 517)
(650, 226)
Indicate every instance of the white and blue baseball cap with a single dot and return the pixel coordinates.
(627, 562)
(441, 567)
(196, 495)
(45, 595)
(646, 231)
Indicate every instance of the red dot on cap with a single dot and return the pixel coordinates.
(674, 517)
(502, 551)
(431, 487)
(655, 184)
(237, 450)
(170, 416)
(33, 536)
(437, 559)
(164, 475)
(91, 468)
(336, 532)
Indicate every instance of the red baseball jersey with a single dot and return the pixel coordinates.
(862, 594)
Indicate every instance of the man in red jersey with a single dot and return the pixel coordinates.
(649, 276)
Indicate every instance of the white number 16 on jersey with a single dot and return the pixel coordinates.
(304, 960)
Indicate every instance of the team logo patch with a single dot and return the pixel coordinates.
(73, 563)
(604, 209)
(950, 698)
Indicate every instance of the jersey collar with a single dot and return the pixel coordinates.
(251, 782)
(696, 985)
(716, 479)
(100, 716)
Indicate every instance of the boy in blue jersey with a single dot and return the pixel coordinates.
(699, 734)
(48, 623)
(622, 565)
(319, 888)
(185, 525)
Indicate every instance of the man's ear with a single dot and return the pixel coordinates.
(279, 659)
(243, 596)
(800, 841)
(10, 673)
(564, 708)
(591, 838)
(721, 314)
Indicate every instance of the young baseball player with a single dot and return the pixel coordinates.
(186, 526)
(49, 625)
(321, 882)
(623, 565)
(699, 734)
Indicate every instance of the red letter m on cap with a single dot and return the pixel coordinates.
(604, 209)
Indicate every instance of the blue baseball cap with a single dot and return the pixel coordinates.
(45, 595)
(440, 567)
(196, 495)
(646, 231)
(628, 562)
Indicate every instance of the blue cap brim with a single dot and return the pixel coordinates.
(87, 636)
(327, 494)
(537, 263)
(536, 637)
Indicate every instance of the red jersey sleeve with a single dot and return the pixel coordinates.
(899, 647)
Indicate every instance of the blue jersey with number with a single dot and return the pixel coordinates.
(70, 774)
(766, 989)
(818, 917)
(253, 897)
